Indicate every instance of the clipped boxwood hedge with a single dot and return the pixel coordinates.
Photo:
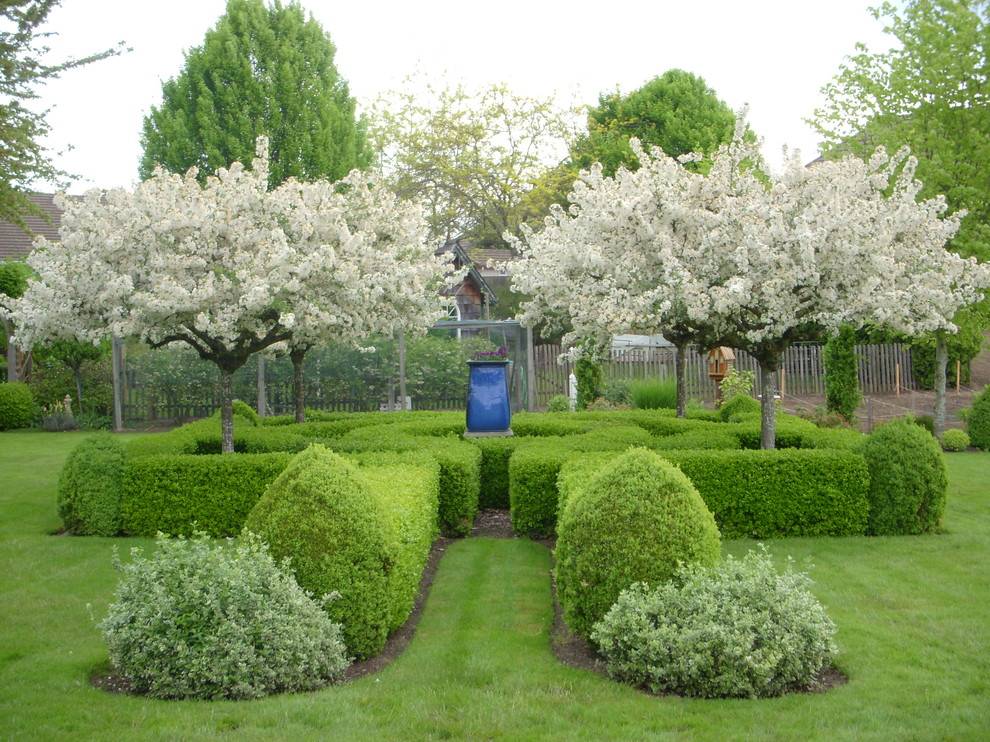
(90, 485)
(494, 470)
(362, 531)
(181, 493)
(17, 407)
(763, 494)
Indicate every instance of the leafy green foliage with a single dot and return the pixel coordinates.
(90, 486)
(590, 381)
(978, 420)
(907, 480)
(17, 407)
(559, 403)
(364, 535)
(842, 373)
(14, 276)
(260, 71)
(653, 394)
(739, 629)
(634, 521)
(195, 620)
(739, 404)
(494, 470)
(676, 112)
(761, 494)
(180, 493)
(246, 411)
(24, 159)
(737, 383)
(954, 439)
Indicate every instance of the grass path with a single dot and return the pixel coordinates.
(913, 614)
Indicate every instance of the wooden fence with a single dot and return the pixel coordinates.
(882, 369)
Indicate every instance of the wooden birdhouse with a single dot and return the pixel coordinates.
(720, 363)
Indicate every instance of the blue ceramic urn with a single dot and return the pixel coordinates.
(488, 409)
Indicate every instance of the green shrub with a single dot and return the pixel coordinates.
(179, 493)
(907, 479)
(17, 407)
(653, 394)
(842, 373)
(978, 420)
(923, 421)
(89, 487)
(954, 439)
(739, 629)
(737, 383)
(590, 381)
(534, 466)
(617, 391)
(762, 494)
(460, 465)
(246, 411)
(741, 403)
(696, 439)
(494, 469)
(635, 521)
(559, 403)
(196, 620)
(363, 533)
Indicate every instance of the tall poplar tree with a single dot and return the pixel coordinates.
(261, 71)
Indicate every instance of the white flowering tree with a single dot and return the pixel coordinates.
(382, 276)
(222, 267)
(740, 258)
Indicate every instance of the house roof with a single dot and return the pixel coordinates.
(15, 242)
(461, 254)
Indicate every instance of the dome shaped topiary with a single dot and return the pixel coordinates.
(741, 404)
(635, 520)
(90, 486)
(978, 422)
(907, 479)
(954, 439)
(17, 406)
(320, 515)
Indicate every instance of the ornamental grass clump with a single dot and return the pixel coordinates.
(736, 630)
(198, 620)
(653, 394)
(635, 520)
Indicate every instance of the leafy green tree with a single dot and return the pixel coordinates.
(478, 159)
(73, 354)
(260, 71)
(842, 393)
(931, 92)
(13, 283)
(23, 67)
(676, 111)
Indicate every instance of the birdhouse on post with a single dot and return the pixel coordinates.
(720, 363)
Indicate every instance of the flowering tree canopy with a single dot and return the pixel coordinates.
(230, 268)
(742, 258)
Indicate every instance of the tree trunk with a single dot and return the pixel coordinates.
(298, 390)
(226, 411)
(941, 360)
(77, 375)
(768, 407)
(680, 373)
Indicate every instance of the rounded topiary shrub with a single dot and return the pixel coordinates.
(737, 630)
(978, 420)
(319, 515)
(196, 620)
(954, 439)
(246, 411)
(17, 408)
(635, 520)
(741, 404)
(907, 479)
(90, 486)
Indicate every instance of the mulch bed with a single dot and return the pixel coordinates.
(493, 524)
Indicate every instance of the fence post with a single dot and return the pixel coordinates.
(262, 392)
(530, 371)
(897, 378)
(869, 415)
(402, 369)
(958, 374)
(118, 373)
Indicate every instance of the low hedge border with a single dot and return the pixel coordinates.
(763, 494)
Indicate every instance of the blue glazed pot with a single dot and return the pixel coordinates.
(488, 397)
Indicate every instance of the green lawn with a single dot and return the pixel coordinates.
(913, 616)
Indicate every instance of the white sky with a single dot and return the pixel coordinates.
(775, 56)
